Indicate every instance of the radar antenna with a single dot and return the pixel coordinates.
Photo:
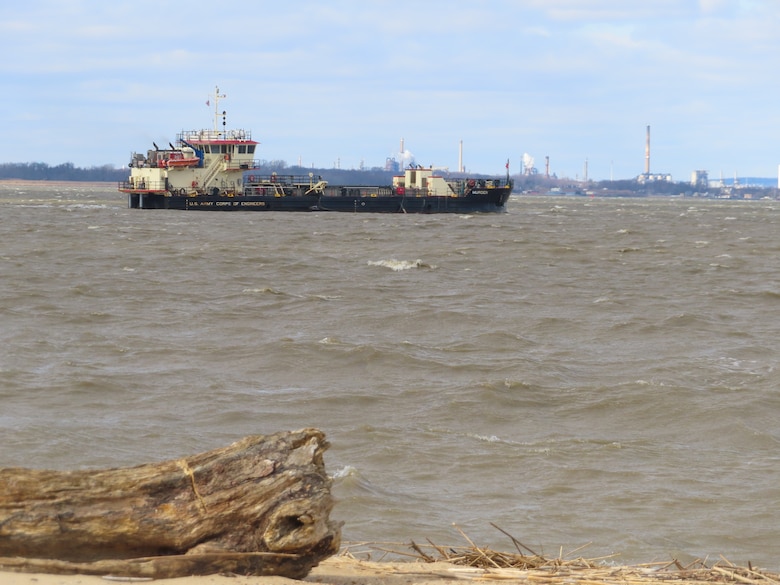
(217, 97)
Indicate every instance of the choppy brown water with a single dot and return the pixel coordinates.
(576, 370)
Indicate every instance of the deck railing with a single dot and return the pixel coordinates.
(198, 135)
(290, 180)
(145, 185)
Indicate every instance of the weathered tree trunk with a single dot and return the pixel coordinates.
(259, 506)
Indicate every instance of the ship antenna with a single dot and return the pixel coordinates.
(217, 97)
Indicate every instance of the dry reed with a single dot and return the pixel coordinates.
(526, 565)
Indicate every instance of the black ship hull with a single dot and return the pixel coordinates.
(493, 201)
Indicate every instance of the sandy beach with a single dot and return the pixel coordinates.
(337, 570)
(346, 570)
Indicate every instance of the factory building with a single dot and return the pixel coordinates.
(700, 180)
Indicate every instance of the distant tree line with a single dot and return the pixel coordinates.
(375, 176)
(539, 184)
(62, 172)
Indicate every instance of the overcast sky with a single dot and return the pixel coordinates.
(343, 81)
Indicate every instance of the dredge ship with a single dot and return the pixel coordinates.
(216, 170)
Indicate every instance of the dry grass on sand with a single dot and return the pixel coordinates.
(433, 563)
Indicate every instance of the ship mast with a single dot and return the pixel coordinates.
(217, 96)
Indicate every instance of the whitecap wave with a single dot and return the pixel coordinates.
(398, 265)
(265, 290)
(346, 471)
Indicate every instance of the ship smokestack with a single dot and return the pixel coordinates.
(647, 152)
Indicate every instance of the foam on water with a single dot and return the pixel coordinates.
(399, 265)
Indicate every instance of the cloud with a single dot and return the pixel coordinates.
(568, 78)
(607, 10)
(712, 6)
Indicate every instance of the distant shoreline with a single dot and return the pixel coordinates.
(54, 183)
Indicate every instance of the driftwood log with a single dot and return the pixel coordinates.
(260, 506)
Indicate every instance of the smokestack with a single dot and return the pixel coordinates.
(460, 157)
(547, 166)
(402, 147)
(647, 152)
